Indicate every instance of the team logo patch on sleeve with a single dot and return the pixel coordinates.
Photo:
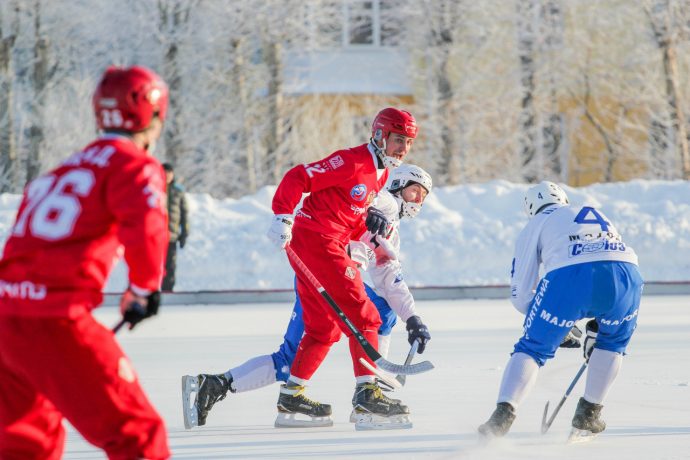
(336, 162)
(358, 192)
(350, 273)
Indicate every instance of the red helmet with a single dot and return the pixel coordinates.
(393, 120)
(127, 99)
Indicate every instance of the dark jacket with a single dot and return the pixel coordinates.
(178, 225)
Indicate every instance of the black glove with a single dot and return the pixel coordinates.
(182, 240)
(135, 308)
(416, 330)
(572, 340)
(591, 332)
(376, 222)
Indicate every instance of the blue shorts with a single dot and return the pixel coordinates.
(607, 291)
(282, 359)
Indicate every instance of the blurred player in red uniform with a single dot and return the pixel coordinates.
(56, 360)
(342, 187)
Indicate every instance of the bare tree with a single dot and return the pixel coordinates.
(660, 14)
(40, 75)
(8, 148)
(174, 20)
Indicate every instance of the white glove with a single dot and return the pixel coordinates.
(591, 331)
(361, 254)
(387, 247)
(280, 231)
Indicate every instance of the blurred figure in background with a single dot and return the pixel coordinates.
(178, 225)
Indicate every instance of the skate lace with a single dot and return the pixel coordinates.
(300, 394)
(378, 393)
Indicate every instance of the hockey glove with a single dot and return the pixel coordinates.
(136, 308)
(591, 332)
(416, 330)
(280, 231)
(361, 254)
(376, 222)
(572, 340)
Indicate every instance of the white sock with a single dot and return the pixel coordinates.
(297, 380)
(256, 373)
(384, 345)
(518, 379)
(365, 379)
(603, 370)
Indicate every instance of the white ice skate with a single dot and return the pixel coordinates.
(372, 410)
(295, 410)
(366, 421)
(190, 386)
(578, 436)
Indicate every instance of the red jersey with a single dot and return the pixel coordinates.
(341, 187)
(72, 223)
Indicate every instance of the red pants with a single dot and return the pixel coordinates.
(330, 264)
(52, 368)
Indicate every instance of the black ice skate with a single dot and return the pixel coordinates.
(586, 421)
(208, 390)
(375, 411)
(500, 421)
(296, 410)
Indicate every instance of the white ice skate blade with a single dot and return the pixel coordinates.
(578, 436)
(369, 422)
(383, 375)
(296, 420)
(190, 385)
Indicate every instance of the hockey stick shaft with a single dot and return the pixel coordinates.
(546, 425)
(413, 350)
(118, 326)
(369, 350)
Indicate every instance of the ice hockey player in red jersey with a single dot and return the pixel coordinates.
(56, 360)
(342, 187)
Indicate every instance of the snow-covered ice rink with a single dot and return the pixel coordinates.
(647, 411)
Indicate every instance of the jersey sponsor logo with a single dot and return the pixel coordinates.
(616, 322)
(301, 213)
(125, 370)
(358, 192)
(577, 249)
(553, 319)
(541, 290)
(22, 290)
(370, 198)
(357, 210)
(336, 162)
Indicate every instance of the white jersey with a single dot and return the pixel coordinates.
(560, 236)
(383, 266)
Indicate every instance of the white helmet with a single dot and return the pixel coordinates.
(542, 194)
(401, 177)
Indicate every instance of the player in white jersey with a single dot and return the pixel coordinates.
(409, 186)
(589, 272)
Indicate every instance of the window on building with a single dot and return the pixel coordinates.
(354, 23)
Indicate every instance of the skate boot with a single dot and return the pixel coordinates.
(375, 411)
(500, 421)
(586, 421)
(208, 389)
(384, 387)
(293, 406)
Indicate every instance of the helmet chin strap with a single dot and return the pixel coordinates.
(387, 161)
(406, 209)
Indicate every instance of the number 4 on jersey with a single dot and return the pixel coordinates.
(581, 218)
